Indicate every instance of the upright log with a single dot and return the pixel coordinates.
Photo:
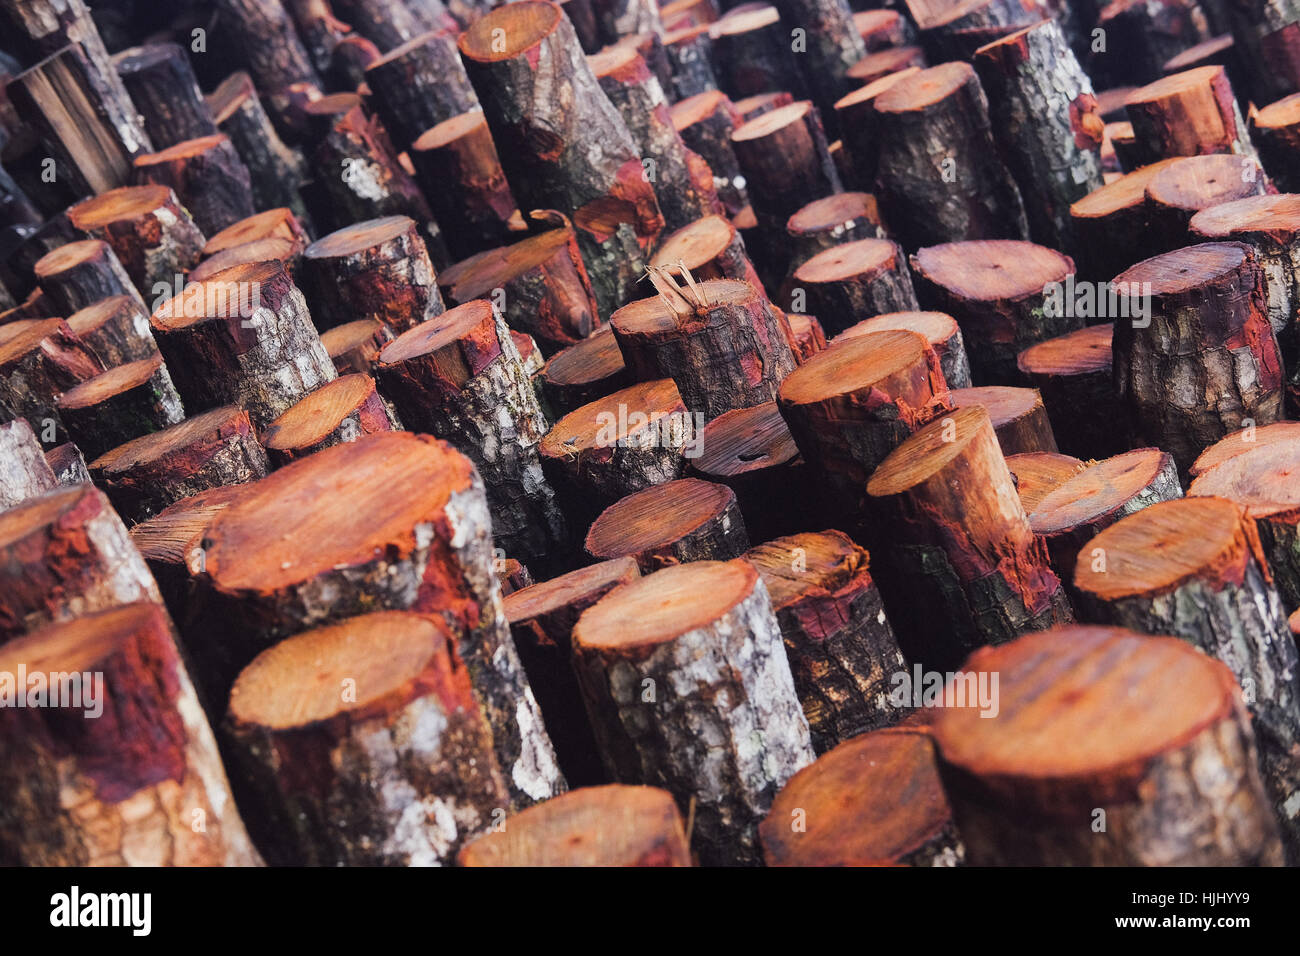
(275, 170)
(412, 533)
(702, 634)
(1110, 224)
(24, 471)
(116, 329)
(689, 50)
(354, 346)
(614, 825)
(1018, 416)
(1267, 32)
(1038, 473)
(1098, 720)
(1188, 114)
(938, 328)
(207, 175)
(412, 726)
(1044, 118)
(833, 44)
(339, 411)
(832, 221)
(1176, 194)
(1006, 295)
(388, 23)
(378, 269)
(939, 178)
(705, 122)
(752, 53)
(143, 787)
(1073, 374)
(842, 652)
(1142, 37)
(66, 554)
(1275, 130)
(265, 36)
(36, 366)
(546, 112)
(854, 281)
(160, 81)
(125, 402)
(1194, 568)
(583, 372)
(1210, 297)
(150, 231)
(859, 127)
(699, 339)
(80, 274)
(418, 85)
(243, 337)
(460, 377)
(875, 800)
(671, 523)
(954, 553)
(541, 621)
(277, 223)
(709, 248)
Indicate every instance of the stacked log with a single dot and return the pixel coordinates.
(1038, 473)
(207, 175)
(116, 329)
(150, 231)
(1073, 374)
(160, 81)
(1110, 224)
(79, 274)
(1018, 415)
(354, 346)
(583, 372)
(939, 329)
(705, 122)
(127, 401)
(1188, 114)
(752, 53)
(24, 471)
(708, 248)
(1176, 194)
(858, 126)
(36, 366)
(853, 281)
(418, 85)
(339, 411)
(1275, 130)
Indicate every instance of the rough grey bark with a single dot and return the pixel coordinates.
(24, 472)
(152, 233)
(690, 58)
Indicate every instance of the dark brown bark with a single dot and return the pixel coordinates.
(829, 45)
(266, 39)
(36, 366)
(1141, 37)
(752, 54)
(1073, 373)
(859, 127)
(354, 346)
(160, 81)
(705, 122)
(689, 50)
(125, 402)
(584, 372)
(152, 233)
(80, 274)
(1018, 416)
(207, 176)
(1267, 34)
(391, 23)
(418, 85)
(853, 281)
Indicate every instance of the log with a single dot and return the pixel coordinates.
(1267, 32)
(146, 474)
(1072, 372)
(851, 405)
(279, 223)
(955, 558)
(1005, 294)
(706, 633)
(412, 534)
(1219, 50)
(540, 284)
(267, 41)
(752, 452)
(92, 134)
(354, 346)
(457, 168)
(689, 50)
(613, 825)
(410, 726)
(1098, 720)
(80, 274)
(1141, 37)
(419, 84)
(66, 554)
(622, 443)
(859, 127)
(116, 329)
(1259, 479)
(1072, 514)
(1176, 194)
(939, 178)
(832, 44)
(1044, 119)
(361, 176)
(649, 45)
(68, 465)
(1038, 473)
(671, 523)
(700, 338)
(208, 177)
(389, 23)
(547, 114)
(351, 58)
(541, 622)
(320, 31)
(1018, 416)
(275, 170)
(1211, 296)
(681, 180)
(688, 12)
(460, 377)
(24, 471)
(585, 371)
(752, 53)
(283, 251)
(807, 337)
(160, 81)
(125, 402)
(1188, 114)
(708, 248)
(36, 366)
(875, 800)
(150, 231)
(514, 577)
(841, 649)
(882, 63)
(1239, 442)
(951, 31)
(853, 281)
(377, 269)
(143, 788)
(1275, 130)
(938, 328)
(1124, 154)
(705, 122)
(882, 28)
(242, 337)
(1194, 568)
(1110, 224)
(835, 220)
(339, 411)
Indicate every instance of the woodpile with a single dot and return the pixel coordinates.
(621, 432)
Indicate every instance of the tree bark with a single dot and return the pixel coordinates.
(1136, 748)
(1141, 37)
(855, 280)
(1018, 416)
(671, 523)
(208, 177)
(701, 640)
(689, 50)
(412, 533)
(953, 550)
(322, 767)
(898, 814)
(24, 472)
(1194, 568)
(268, 42)
(583, 372)
(68, 465)
(938, 328)
(390, 23)
(460, 377)
(1276, 131)
(1267, 34)
(36, 366)
(80, 274)
(160, 81)
(1073, 374)
(339, 411)
(418, 85)
(145, 787)
(832, 44)
(243, 337)
(752, 54)
(123, 403)
(1004, 293)
(116, 329)
(547, 114)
